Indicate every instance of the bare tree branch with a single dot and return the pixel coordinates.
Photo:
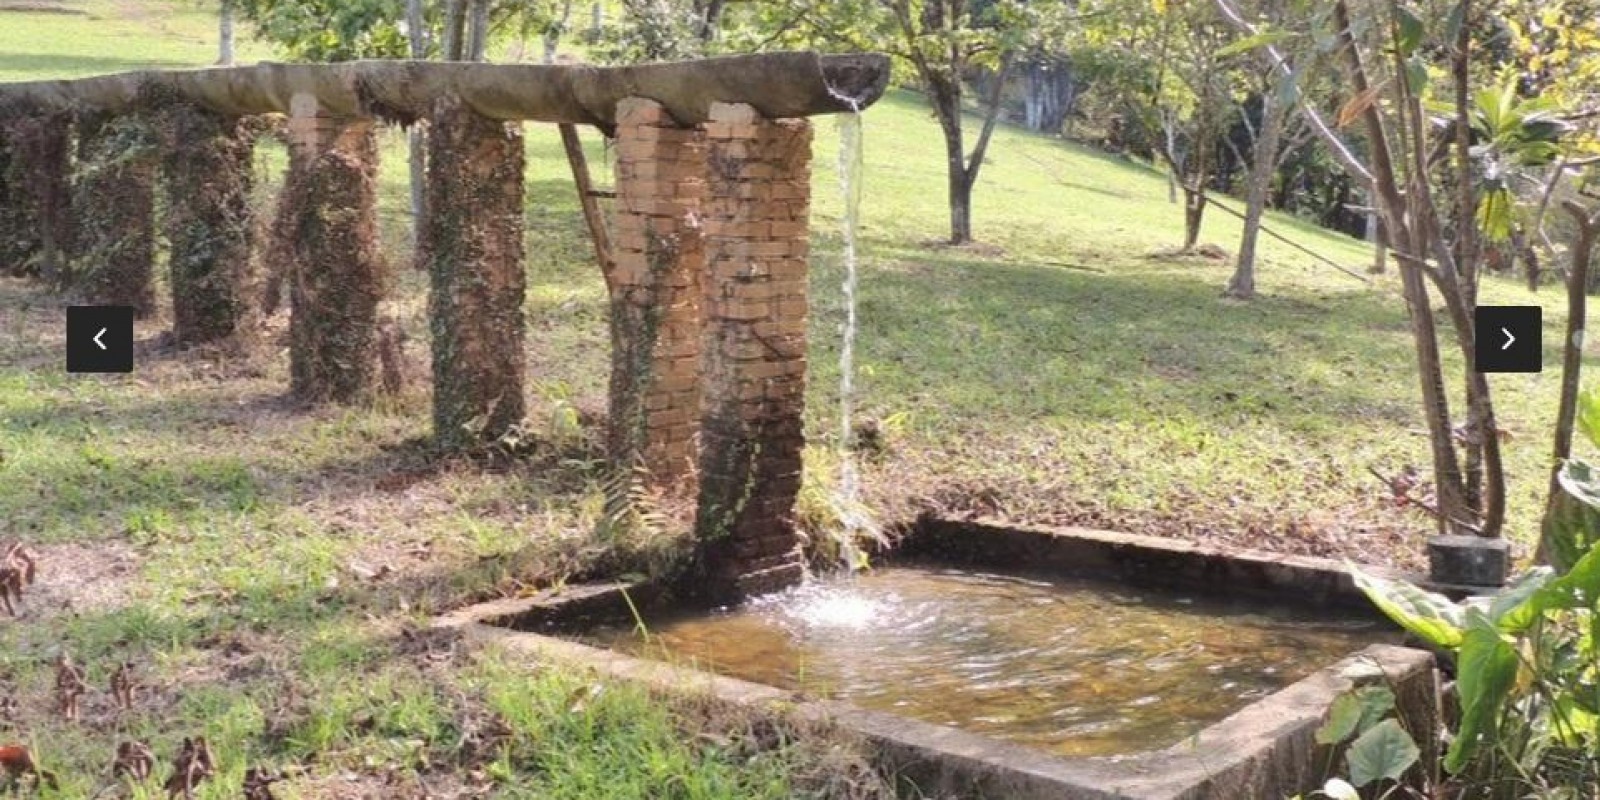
(1341, 151)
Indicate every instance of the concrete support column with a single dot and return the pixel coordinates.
(327, 231)
(472, 248)
(755, 350)
(655, 295)
(113, 199)
(206, 179)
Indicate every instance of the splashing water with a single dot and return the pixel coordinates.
(852, 514)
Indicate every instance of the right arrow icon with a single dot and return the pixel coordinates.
(1506, 339)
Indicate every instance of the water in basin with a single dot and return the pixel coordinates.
(1074, 667)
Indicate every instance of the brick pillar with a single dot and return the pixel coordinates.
(472, 247)
(35, 210)
(655, 294)
(12, 227)
(327, 233)
(206, 178)
(113, 196)
(755, 350)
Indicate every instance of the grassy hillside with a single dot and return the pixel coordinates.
(271, 568)
(89, 37)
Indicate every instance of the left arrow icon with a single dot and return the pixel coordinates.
(99, 339)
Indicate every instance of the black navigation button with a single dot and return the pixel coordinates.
(100, 338)
(1508, 339)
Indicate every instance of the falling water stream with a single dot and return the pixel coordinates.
(851, 512)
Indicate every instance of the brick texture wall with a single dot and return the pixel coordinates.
(754, 353)
(656, 289)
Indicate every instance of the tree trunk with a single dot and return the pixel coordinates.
(963, 169)
(1560, 510)
(1380, 247)
(1049, 91)
(710, 18)
(416, 140)
(1198, 175)
(960, 209)
(1194, 212)
(1403, 216)
(1175, 171)
(947, 104)
(478, 40)
(1522, 246)
(455, 28)
(225, 33)
(1264, 162)
(553, 33)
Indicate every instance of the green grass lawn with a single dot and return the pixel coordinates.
(271, 569)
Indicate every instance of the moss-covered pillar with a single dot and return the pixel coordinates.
(206, 179)
(35, 207)
(113, 200)
(472, 248)
(655, 295)
(327, 231)
(755, 351)
(9, 229)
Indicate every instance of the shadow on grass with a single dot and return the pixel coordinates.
(106, 470)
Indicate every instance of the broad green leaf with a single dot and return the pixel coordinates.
(1589, 416)
(1494, 214)
(1453, 22)
(1570, 525)
(1416, 75)
(1384, 752)
(1432, 617)
(1287, 90)
(1572, 723)
(1354, 712)
(1409, 31)
(1343, 716)
(1486, 668)
(1518, 605)
(1252, 42)
(1579, 588)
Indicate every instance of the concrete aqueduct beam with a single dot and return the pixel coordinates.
(778, 85)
